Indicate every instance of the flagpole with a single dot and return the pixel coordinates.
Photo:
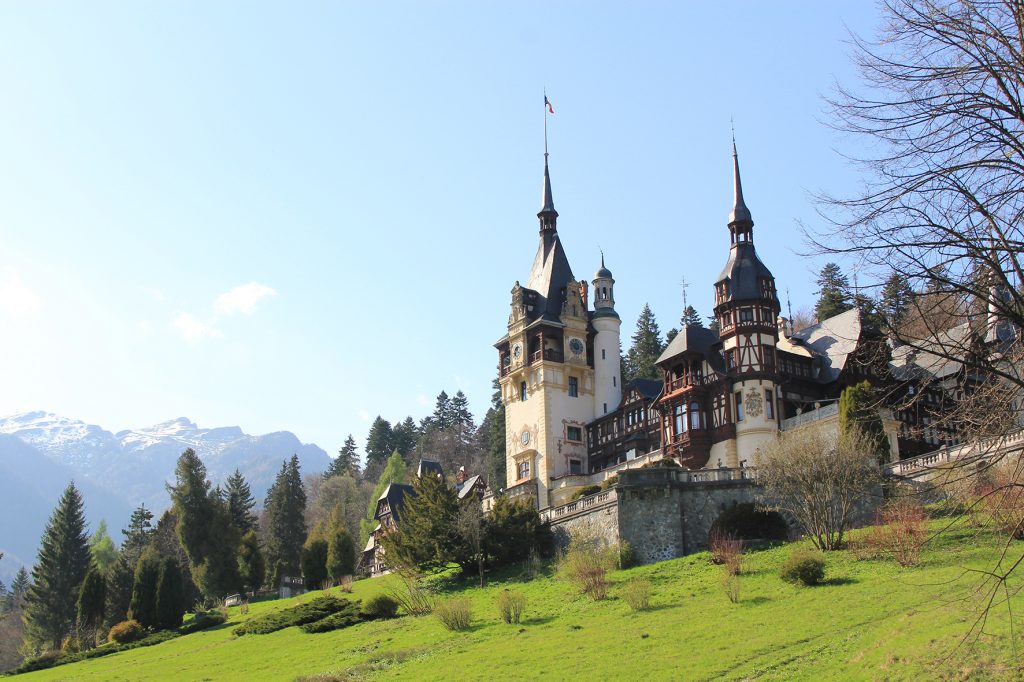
(545, 124)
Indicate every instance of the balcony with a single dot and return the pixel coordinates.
(550, 354)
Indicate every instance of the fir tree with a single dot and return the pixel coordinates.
(102, 548)
(341, 552)
(379, 445)
(443, 416)
(169, 606)
(147, 580)
(404, 438)
(347, 461)
(251, 565)
(91, 606)
(670, 334)
(833, 292)
(858, 409)
(240, 503)
(204, 528)
(314, 564)
(60, 568)
(140, 527)
(494, 421)
(22, 582)
(394, 472)
(166, 543)
(690, 318)
(427, 538)
(460, 414)
(896, 298)
(645, 350)
(286, 508)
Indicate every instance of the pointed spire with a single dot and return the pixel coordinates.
(740, 212)
(548, 214)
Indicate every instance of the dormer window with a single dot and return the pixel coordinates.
(767, 288)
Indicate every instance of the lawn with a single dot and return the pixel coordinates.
(872, 620)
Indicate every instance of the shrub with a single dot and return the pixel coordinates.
(455, 614)
(380, 606)
(748, 521)
(637, 593)
(410, 594)
(308, 612)
(589, 490)
(201, 621)
(1002, 501)
(609, 482)
(726, 550)
(587, 565)
(125, 631)
(344, 618)
(346, 583)
(626, 557)
(511, 605)
(804, 568)
(731, 586)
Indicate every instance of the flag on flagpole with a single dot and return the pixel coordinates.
(548, 105)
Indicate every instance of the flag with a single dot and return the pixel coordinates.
(548, 105)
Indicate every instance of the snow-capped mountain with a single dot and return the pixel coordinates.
(134, 466)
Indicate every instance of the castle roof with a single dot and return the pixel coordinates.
(831, 341)
(690, 339)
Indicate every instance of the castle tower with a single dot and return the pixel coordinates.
(746, 306)
(546, 368)
(606, 322)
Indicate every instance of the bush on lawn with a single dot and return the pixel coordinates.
(347, 617)
(637, 593)
(804, 567)
(455, 614)
(125, 631)
(201, 621)
(308, 612)
(511, 605)
(380, 606)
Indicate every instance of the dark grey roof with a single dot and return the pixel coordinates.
(743, 270)
(831, 340)
(605, 312)
(395, 495)
(691, 339)
(429, 466)
(648, 388)
(603, 272)
(549, 276)
(739, 213)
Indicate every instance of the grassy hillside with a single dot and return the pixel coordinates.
(873, 620)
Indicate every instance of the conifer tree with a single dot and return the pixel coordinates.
(858, 410)
(895, 299)
(19, 586)
(379, 445)
(404, 437)
(169, 606)
(251, 565)
(286, 508)
(394, 472)
(140, 527)
(166, 543)
(443, 416)
(91, 606)
(62, 563)
(647, 346)
(460, 414)
(428, 535)
(204, 528)
(833, 292)
(347, 461)
(102, 548)
(494, 422)
(314, 563)
(341, 552)
(691, 318)
(147, 580)
(240, 503)
(670, 334)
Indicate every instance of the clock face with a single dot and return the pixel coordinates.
(526, 438)
(576, 346)
(517, 350)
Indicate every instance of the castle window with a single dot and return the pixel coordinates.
(606, 408)
(522, 391)
(680, 423)
(574, 387)
(614, 381)
(602, 354)
(524, 469)
(739, 406)
(769, 404)
(574, 433)
(767, 356)
(730, 359)
(694, 415)
(575, 466)
(746, 314)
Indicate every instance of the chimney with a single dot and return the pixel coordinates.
(460, 477)
(785, 327)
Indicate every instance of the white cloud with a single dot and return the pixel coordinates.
(242, 299)
(364, 415)
(424, 400)
(16, 299)
(193, 330)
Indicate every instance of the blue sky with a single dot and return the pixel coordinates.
(300, 215)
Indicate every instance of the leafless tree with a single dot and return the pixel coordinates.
(819, 478)
(472, 529)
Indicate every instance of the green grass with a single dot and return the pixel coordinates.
(871, 620)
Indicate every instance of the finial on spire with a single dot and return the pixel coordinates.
(602, 256)
(548, 215)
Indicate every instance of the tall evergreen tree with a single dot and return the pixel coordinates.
(670, 334)
(690, 318)
(379, 445)
(460, 414)
(833, 292)
(169, 606)
(252, 567)
(204, 528)
(858, 409)
(140, 527)
(240, 502)
(147, 580)
(405, 435)
(394, 472)
(647, 346)
(314, 563)
(347, 461)
(443, 416)
(102, 548)
(60, 568)
(167, 544)
(91, 605)
(286, 507)
(896, 298)
(428, 537)
(341, 552)
(494, 422)
(22, 581)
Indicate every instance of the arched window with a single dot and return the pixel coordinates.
(524, 469)
(694, 415)
(522, 391)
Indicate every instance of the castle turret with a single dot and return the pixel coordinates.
(606, 322)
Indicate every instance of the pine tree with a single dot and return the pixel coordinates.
(404, 437)
(341, 552)
(670, 334)
(427, 538)
(690, 318)
(60, 568)
(169, 606)
(147, 580)
(240, 503)
(460, 414)
(102, 548)
(494, 422)
(22, 582)
(314, 564)
(204, 528)
(251, 565)
(858, 409)
(286, 507)
(91, 606)
(896, 298)
(645, 350)
(347, 461)
(379, 445)
(443, 416)
(167, 544)
(140, 527)
(833, 292)
(394, 472)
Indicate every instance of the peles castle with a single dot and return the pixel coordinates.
(570, 422)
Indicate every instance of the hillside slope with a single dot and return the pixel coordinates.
(873, 620)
